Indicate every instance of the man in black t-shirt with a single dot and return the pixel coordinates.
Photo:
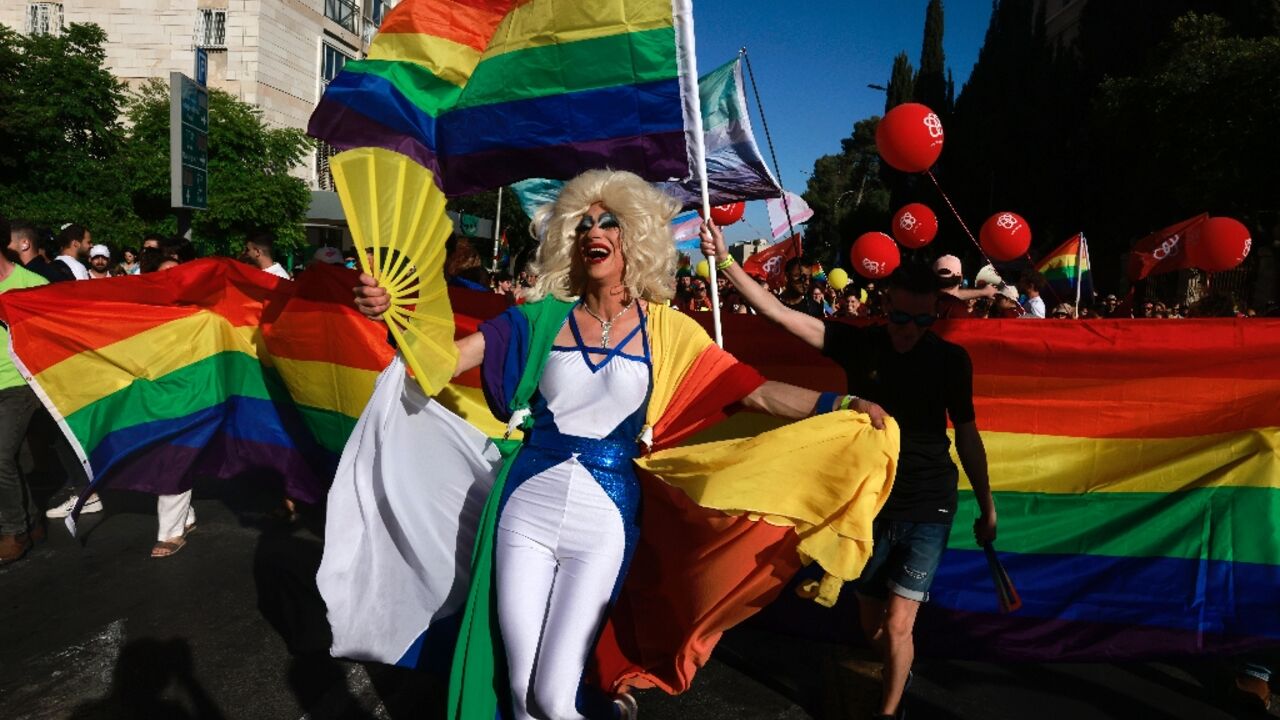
(921, 380)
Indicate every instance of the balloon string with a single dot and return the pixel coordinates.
(959, 219)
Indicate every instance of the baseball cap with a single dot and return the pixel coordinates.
(947, 266)
(100, 251)
(989, 276)
(329, 255)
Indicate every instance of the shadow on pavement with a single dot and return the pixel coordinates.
(144, 673)
(285, 562)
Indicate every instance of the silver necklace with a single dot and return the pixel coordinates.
(605, 325)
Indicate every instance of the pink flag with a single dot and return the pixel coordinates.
(795, 206)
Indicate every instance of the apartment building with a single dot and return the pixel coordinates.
(275, 54)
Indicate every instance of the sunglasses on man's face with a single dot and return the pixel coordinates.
(897, 317)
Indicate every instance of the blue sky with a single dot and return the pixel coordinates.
(813, 61)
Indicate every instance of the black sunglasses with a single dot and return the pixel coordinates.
(897, 317)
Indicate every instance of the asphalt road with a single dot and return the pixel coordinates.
(230, 627)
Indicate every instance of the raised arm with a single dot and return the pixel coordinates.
(806, 327)
(372, 301)
(794, 402)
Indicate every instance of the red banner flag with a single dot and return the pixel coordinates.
(1166, 250)
(771, 263)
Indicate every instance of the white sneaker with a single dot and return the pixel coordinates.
(92, 505)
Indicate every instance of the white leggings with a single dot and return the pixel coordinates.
(559, 548)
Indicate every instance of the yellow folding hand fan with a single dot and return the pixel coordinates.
(397, 219)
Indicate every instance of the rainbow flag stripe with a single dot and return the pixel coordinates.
(1067, 268)
(486, 92)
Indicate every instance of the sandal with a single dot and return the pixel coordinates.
(166, 548)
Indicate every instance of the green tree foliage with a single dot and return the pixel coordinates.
(67, 156)
(902, 83)
(1194, 131)
(515, 224)
(1122, 133)
(846, 194)
(250, 187)
(60, 131)
(931, 81)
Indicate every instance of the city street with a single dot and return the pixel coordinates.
(94, 628)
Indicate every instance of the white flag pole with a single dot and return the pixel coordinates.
(497, 226)
(691, 102)
(1080, 255)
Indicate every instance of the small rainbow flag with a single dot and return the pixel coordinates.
(1068, 272)
(486, 92)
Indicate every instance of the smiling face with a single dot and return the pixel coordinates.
(599, 236)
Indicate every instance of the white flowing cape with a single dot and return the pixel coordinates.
(402, 517)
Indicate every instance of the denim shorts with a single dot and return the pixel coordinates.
(904, 559)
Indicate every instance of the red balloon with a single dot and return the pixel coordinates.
(915, 225)
(1223, 243)
(875, 255)
(728, 214)
(909, 137)
(1005, 236)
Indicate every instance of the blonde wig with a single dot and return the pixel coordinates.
(644, 213)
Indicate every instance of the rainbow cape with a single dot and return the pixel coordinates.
(408, 560)
(486, 92)
(1067, 270)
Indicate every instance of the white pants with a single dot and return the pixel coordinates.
(175, 514)
(559, 548)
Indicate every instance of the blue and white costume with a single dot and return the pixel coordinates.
(568, 522)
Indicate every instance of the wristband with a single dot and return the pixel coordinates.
(826, 403)
(847, 401)
(724, 264)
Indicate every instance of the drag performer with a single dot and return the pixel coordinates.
(595, 371)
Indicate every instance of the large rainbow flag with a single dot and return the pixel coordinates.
(1136, 463)
(1068, 272)
(736, 171)
(212, 368)
(486, 92)
(1136, 471)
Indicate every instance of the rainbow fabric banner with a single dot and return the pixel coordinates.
(1136, 471)
(1068, 272)
(212, 368)
(487, 92)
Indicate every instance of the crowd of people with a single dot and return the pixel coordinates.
(806, 288)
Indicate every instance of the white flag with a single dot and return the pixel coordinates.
(796, 207)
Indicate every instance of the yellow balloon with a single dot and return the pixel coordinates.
(702, 269)
(838, 278)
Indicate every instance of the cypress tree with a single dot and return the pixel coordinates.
(901, 83)
(931, 81)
